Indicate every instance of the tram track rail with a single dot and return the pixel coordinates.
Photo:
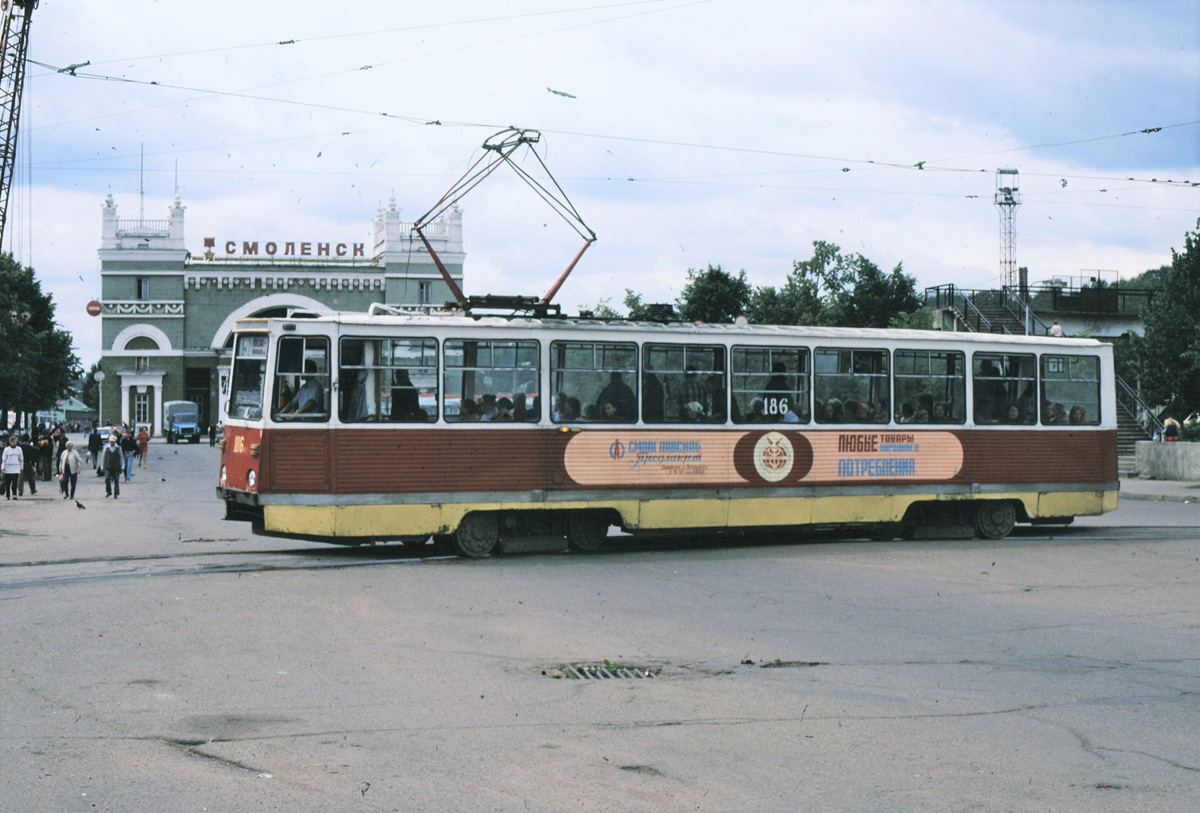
(45, 572)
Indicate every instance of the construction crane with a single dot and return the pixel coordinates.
(14, 40)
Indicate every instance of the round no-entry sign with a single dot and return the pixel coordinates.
(93, 308)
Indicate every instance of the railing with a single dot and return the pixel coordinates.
(141, 227)
(1021, 311)
(1114, 301)
(950, 296)
(1129, 399)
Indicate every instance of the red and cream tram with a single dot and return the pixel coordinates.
(356, 427)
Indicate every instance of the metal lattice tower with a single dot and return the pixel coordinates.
(1008, 198)
(14, 39)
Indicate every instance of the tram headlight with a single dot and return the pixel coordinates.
(251, 479)
(223, 476)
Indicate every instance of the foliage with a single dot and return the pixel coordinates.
(713, 296)
(845, 290)
(920, 319)
(89, 393)
(37, 365)
(830, 288)
(1151, 280)
(640, 311)
(1168, 352)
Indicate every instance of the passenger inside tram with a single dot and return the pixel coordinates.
(311, 397)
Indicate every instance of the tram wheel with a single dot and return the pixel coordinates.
(587, 531)
(477, 535)
(995, 519)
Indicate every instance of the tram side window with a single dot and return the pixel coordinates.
(770, 384)
(1005, 388)
(391, 380)
(249, 375)
(301, 387)
(931, 386)
(593, 381)
(684, 384)
(851, 385)
(1070, 390)
(491, 380)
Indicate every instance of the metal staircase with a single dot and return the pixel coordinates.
(1004, 312)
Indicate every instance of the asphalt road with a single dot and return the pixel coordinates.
(155, 657)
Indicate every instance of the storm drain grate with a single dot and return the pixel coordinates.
(600, 671)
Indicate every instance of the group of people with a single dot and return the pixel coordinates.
(491, 409)
(52, 455)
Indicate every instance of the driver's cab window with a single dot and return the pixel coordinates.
(301, 385)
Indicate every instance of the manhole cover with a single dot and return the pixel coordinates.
(601, 671)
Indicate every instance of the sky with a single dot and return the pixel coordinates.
(686, 133)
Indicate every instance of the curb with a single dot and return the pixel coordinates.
(1125, 495)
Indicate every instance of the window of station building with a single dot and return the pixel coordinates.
(851, 385)
(684, 384)
(931, 386)
(1005, 388)
(770, 384)
(391, 380)
(593, 381)
(142, 288)
(424, 293)
(141, 407)
(1070, 390)
(301, 383)
(490, 380)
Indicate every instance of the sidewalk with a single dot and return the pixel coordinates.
(1135, 488)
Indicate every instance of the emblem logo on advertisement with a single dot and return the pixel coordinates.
(773, 457)
(617, 450)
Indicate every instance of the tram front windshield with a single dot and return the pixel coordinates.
(249, 375)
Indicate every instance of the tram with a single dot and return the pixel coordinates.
(489, 431)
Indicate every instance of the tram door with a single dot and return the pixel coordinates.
(298, 452)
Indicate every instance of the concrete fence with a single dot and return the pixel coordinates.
(1168, 461)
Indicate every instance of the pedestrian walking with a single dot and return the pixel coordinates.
(95, 444)
(129, 448)
(45, 457)
(143, 444)
(29, 473)
(113, 458)
(69, 465)
(11, 464)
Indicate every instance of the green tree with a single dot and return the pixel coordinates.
(851, 290)
(653, 312)
(89, 392)
(1168, 352)
(796, 302)
(713, 296)
(37, 365)
(920, 319)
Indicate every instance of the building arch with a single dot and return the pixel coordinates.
(121, 342)
(257, 306)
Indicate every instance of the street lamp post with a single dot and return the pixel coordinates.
(99, 376)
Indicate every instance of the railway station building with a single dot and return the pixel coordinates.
(167, 311)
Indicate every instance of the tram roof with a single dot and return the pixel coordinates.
(457, 319)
